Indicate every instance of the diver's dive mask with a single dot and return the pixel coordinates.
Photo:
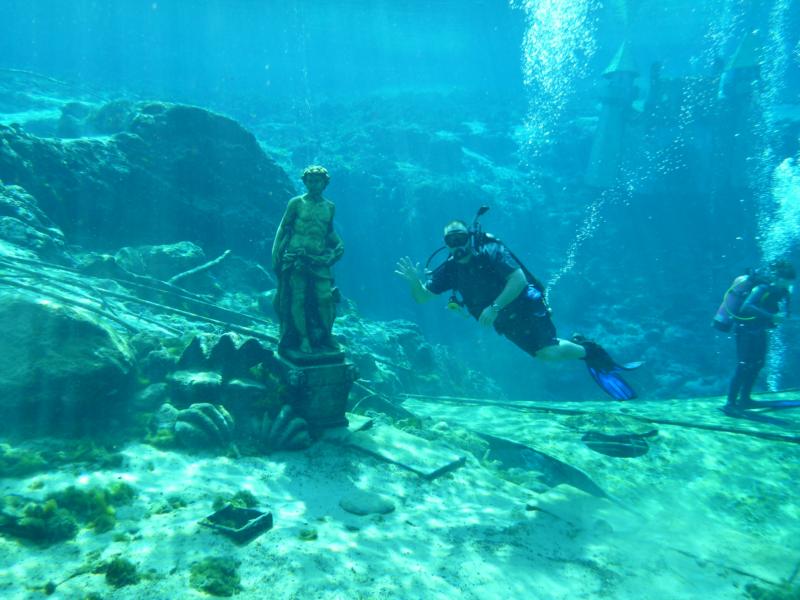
(457, 242)
(456, 239)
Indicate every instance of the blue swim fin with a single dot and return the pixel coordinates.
(612, 383)
(605, 371)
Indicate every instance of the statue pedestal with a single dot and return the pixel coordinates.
(318, 387)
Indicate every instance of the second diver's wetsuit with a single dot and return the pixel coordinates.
(754, 319)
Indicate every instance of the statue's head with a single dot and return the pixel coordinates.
(316, 171)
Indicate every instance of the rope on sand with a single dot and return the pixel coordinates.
(775, 437)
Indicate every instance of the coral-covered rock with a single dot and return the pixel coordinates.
(161, 261)
(22, 222)
(172, 173)
(60, 368)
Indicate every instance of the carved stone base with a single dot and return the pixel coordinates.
(312, 358)
(318, 387)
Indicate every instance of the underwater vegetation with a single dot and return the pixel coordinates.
(786, 591)
(19, 463)
(43, 523)
(216, 575)
(95, 506)
(241, 499)
(23, 461)
(121, 572)
(308, 535)
(62, 513)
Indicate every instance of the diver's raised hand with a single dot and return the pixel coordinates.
(408, 270)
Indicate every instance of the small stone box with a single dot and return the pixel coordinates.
(242, 525)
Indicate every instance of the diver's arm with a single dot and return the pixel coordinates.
(751, 308)
(515, 283)
(410, 272)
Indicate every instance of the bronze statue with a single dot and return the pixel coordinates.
(305, 249)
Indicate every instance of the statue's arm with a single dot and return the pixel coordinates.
(283, 233)
(336, 244)
(333, 241)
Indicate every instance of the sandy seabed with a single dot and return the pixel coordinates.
(701, 515)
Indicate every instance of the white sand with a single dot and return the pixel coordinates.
(704, 524)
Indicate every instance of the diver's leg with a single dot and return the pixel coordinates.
(738, 375)
(735, 385)
(754, 358)
(536, 334)
(297, 284)
(562, 350)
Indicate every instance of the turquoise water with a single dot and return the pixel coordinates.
(636, 156)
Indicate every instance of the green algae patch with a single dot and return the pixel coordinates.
(19, 463)
(35, 457)
(163, 439)
(216, 575)
(241, 499)
(307, 535)
(95, 506)
(60, 515)
(785, 591)
(121, 572)
(42, 523)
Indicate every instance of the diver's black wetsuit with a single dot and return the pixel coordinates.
(751, 339)
(525, 321)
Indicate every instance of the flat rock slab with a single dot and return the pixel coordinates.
(358, 422)
(409, 451)
(364, 503)
(342, 434)
(709, 488)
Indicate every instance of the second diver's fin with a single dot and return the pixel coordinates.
(630, 366)
(772, 404)
(748, 415)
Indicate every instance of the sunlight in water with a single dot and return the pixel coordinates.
(559, 42)
(591, 222)
(783, 232)
(781, 236)
(779, 222)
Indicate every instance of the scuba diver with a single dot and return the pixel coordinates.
(754, 304)
(498, 290)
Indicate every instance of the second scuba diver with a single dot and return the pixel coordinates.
(753, 305)
(498, 290)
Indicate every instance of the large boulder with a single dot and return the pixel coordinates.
(23, 224)
(61, 369)
(173, 173)
(161, 262)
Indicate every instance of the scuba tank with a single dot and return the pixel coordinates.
(728, 311)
